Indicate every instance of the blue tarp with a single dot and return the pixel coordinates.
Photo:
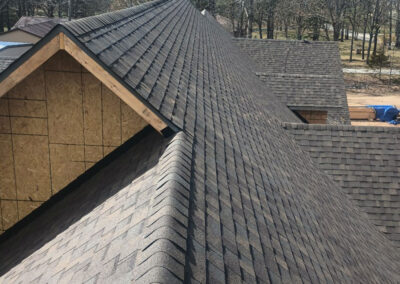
(385, 112)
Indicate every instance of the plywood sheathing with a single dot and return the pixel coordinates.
(54, 125)
(313, 116)
(61, 42)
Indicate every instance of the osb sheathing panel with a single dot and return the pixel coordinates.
(32, 88)
(64, 106)
(92, 106)
(28, 108)
(54, 125)
(7, 180)
(67, 163)
(32, 169)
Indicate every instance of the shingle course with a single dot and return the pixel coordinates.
(303, 75)
(365, 162)
(235, 200)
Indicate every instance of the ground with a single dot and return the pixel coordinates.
(369, 89)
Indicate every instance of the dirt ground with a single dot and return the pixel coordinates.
(369, 89)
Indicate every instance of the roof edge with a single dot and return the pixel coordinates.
(288, 40)
(299, 75)
(165, 131)
(162, 255)
(375, 129)
(60, 38)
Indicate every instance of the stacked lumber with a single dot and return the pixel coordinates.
(362, 113)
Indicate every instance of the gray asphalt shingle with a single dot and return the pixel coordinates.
(305, 75)
(230, 198)
(365, 161)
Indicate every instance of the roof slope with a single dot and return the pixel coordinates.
(38, 26)
(365, 161)
(301, 74)
(6, 61)
(247, 201)
(152, 52)
(10, 53)
(293, 56)
(105, 228)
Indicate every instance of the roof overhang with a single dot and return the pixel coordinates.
(59, 39)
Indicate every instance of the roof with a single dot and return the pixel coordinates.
(10, 51)
(301, 73)
(365, 161)
(129, 198)
(38, 26)
(293, 56)
(5, 62)
(232, 197)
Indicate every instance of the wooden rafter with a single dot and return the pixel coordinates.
(63, 42)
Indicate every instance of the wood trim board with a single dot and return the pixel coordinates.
(63, 42)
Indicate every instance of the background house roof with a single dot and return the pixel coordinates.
(237, 198)
(10, 51)
(38, 26)
(365, 161)
(306, 74)
(292, 56)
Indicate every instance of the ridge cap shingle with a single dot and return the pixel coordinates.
(163, 252)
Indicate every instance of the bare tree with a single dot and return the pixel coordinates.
(397, 24)
(49, 7)
(354, 9)
(250, 18)
(336, 10)
(260, 8)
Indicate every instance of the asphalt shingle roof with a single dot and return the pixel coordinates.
(11, 53)
(365, 161)
(5, 62)
(97, 231)
(38, 26)
(232, 197)
(292, 56)
(301, 74)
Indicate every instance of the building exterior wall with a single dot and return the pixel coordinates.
(19, 36)
(55, 125)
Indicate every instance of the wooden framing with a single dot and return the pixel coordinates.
(63, 42)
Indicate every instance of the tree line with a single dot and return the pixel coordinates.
(331, 19)
(12, 10)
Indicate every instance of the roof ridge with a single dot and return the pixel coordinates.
(294, 41)
(271, 74)
(163, 250)
(98, 21)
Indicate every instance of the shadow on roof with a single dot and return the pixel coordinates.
(85, 195)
